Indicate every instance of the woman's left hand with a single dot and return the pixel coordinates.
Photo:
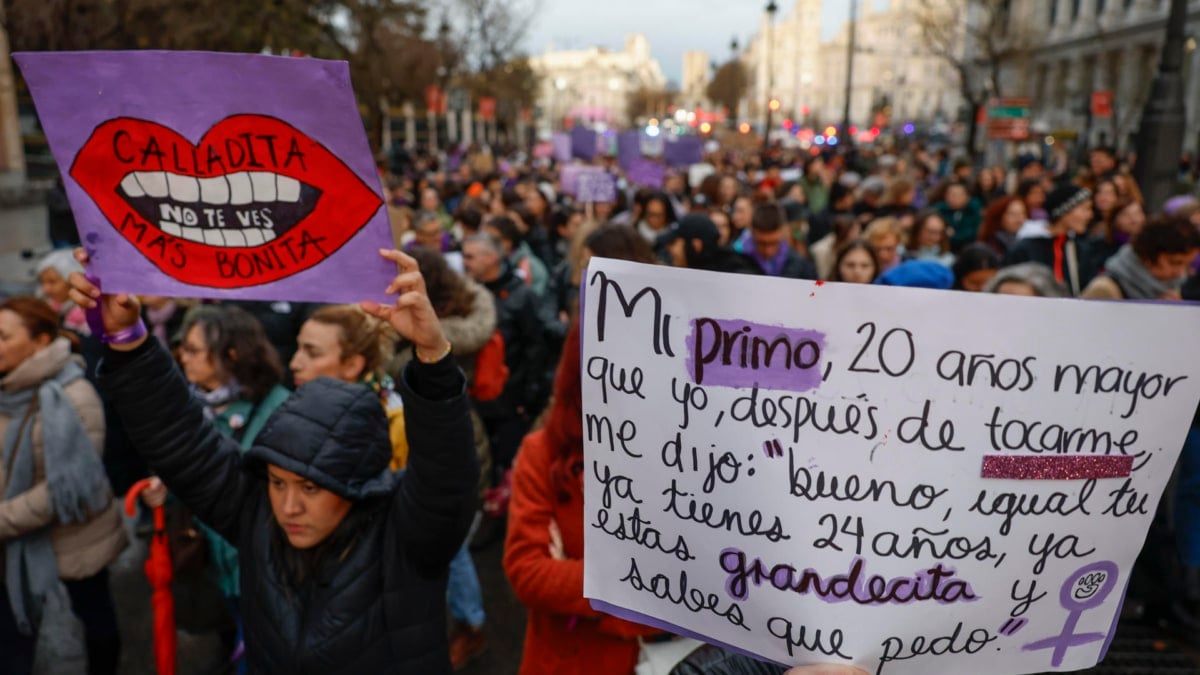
(412, 316)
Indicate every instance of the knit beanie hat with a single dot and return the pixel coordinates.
(1064, 198)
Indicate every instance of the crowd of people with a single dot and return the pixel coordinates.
(341, 462)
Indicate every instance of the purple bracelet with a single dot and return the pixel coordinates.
(123, 337)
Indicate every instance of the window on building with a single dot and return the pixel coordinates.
(1075, 9)
(1003, 16)
(1100, 4)
(1128, 5)
(1053, 12)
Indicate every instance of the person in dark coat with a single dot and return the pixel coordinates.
(343, 561)
(692, 242)
(522, 321)
(768, 243)
(1065, 249)
(713, 660)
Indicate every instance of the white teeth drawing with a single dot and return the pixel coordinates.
(240, 191)
(183, 188)
(130, 185)
(153, 182)
(225, 238)
(287, 189)
(214, 190)
(194, 234)
(264, 186)
(253, 237)
(200, 209)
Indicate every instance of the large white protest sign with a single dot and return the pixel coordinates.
(911, 481)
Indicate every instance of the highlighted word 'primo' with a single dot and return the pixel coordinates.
(734, 353)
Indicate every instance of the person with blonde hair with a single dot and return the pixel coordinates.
(347, 344)
(883, 234)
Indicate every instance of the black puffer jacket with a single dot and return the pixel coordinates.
(521, 318)
(377, 603)
(710, 660)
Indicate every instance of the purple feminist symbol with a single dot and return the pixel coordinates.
(1086, 589)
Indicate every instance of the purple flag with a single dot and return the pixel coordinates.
(248, 178)
(597, 187)
(629, 148)
(647, 173)
(583, 143)
(685, 151)
(568, 177)
(562, 146)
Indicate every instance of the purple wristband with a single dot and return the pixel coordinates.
(123, 337)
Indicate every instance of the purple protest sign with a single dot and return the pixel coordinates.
(597, 187)
(583, 143)
(629, 149)
(647, 173)
(249, 178)
(685, 151)
(562, 147)
(568, 177)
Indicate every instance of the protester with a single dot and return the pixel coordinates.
(975, 266)
(694, 242)
(856, 263)
(1001, 222)
(522, 323)
(543, 551)
(1127, 221)
(930, 239)
(59, 525)
(1064, 250)
(1031, 279)
(961, 214)
(52, 273)
(1152, 267)
(528, 268)
(468, 318)
(235, 373)
(883, 234)
(333, 542)
(657, 216)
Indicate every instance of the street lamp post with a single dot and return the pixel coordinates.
(849, 72)
(1160, 134)
(770, 55)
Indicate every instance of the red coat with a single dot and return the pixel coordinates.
(564, 635)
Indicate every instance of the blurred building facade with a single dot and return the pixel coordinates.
(12, 156)
(593, 85)
(1106, 46)
(893, 73)
(696, 74)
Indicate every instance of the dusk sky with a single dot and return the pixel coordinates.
(672, 26)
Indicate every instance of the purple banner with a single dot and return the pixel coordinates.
(597, 187)
(647, 173)
(583, 143)
(198, 174)
(629, 149)
(568, 177)
(685, 151)
(562, 147)
(742, 354)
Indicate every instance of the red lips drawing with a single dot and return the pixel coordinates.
(253, 201)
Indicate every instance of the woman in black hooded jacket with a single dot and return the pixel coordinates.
(343, 562)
